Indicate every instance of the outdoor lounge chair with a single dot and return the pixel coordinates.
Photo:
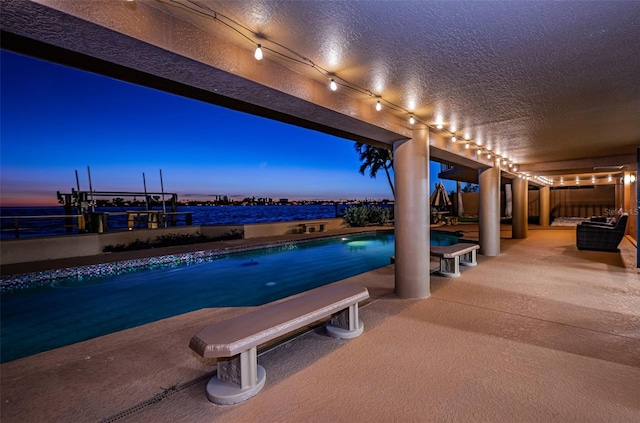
(601, 237)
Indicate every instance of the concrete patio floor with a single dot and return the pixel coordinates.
(542, 332)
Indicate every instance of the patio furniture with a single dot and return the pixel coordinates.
(235, 341)
(452, 256)
(316, 226)
(601, 236)
(599, 219)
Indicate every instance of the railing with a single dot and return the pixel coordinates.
(97, 222)
(16, 228)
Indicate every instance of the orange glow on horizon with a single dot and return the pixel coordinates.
(24, 201)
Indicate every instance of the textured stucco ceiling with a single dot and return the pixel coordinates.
(536, 81)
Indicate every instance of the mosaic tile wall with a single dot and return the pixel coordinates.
(30, 280)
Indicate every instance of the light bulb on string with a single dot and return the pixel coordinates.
(378, 106)
(333, 85)
(454, 139)
(467, 146)
(412, 120)
(258, 53)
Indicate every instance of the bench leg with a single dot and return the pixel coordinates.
(469, 259)
(237, 379)
(322, 227)
(346, 324)
(450, 267)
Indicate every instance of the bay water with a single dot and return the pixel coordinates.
(202, 215)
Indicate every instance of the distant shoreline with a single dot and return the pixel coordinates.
(256, 202)
(204, 215)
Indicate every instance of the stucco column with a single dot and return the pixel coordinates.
(545, 195)
(508, 200)
(626, 206)
(520, 221)
(411, 170)
(489, 211)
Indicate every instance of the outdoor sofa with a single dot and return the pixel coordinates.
(601, 236)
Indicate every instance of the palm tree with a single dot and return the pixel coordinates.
(375, 159)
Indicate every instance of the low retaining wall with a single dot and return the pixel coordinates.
(59, 247)
(258, 230)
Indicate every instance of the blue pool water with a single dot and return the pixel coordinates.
(440, 238)
(72, 310)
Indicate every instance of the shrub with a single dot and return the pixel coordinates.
(379, 215)
(171, 240)
(359, 216)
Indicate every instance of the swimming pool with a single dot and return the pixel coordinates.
(70, 310)
(76, 309)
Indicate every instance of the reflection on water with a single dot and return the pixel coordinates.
(45, 317)
(357, 245)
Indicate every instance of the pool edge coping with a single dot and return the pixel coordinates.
(29, 280)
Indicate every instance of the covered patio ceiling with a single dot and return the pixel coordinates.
(552, 87)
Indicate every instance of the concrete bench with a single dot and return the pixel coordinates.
(234, 341)
(452, 256)
(317, 226)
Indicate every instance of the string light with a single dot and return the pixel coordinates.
(544, 179)
(276, 49)
(258, 53)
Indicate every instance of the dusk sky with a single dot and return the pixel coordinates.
(55, 120)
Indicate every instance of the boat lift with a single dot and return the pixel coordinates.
(84, 202)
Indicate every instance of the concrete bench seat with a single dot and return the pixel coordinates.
(452, 256)
(234, 341)
(317, 227)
